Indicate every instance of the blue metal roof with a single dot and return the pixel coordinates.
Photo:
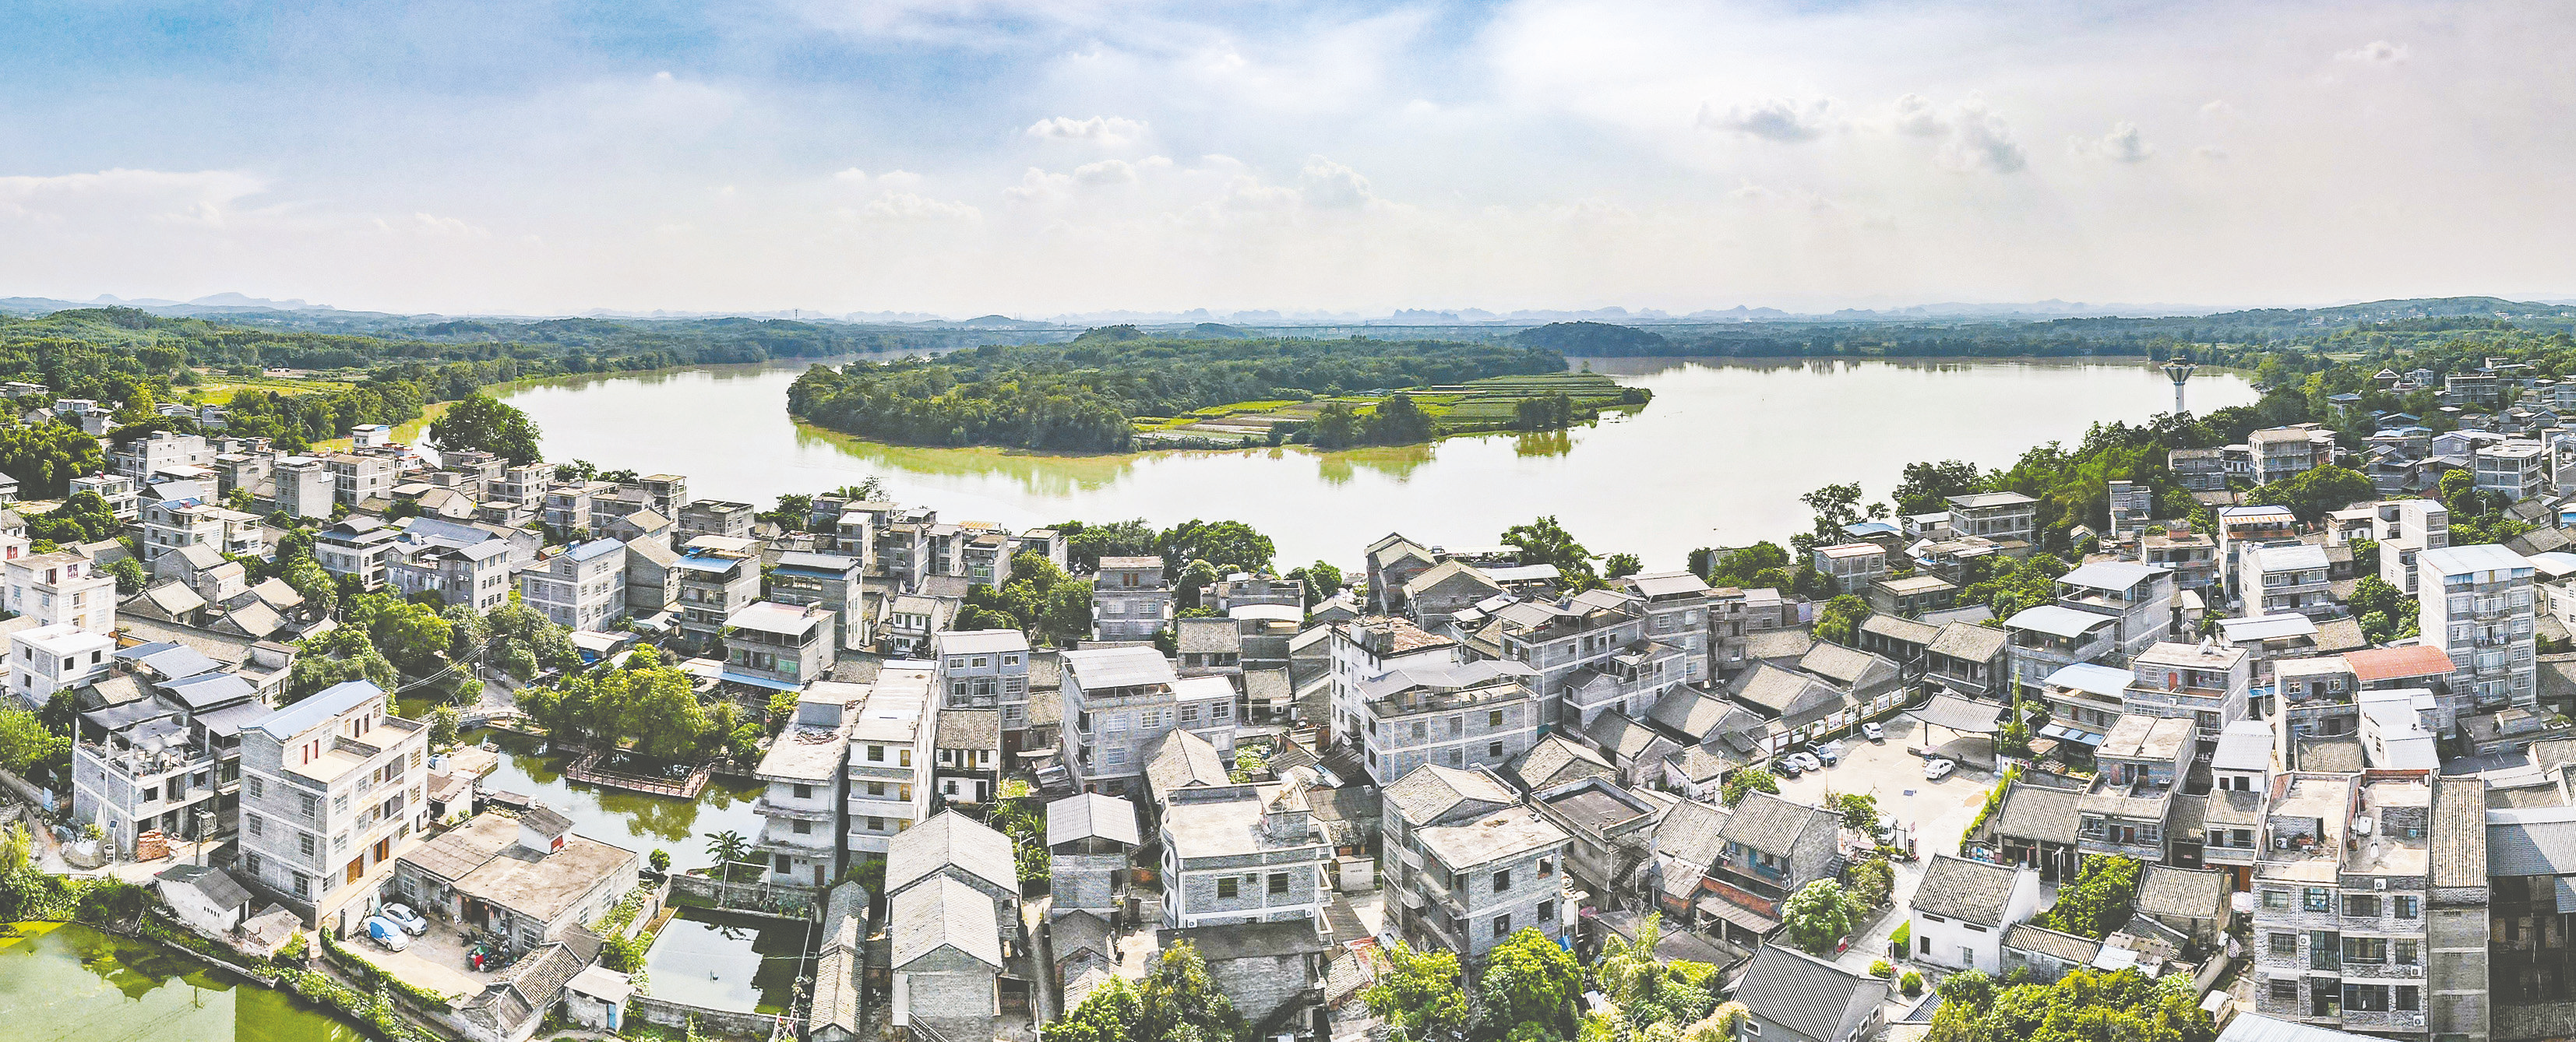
(594, 548)
(732, 677)
(332, 701)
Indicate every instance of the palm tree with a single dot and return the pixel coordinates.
(727, 847)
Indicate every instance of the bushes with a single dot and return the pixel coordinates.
(1904, 934)
(1911, 983)
(373, 1011)
(360, 968)
(1994, 800)
(1882, 968)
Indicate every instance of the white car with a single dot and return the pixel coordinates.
(1937, 768)
(404, 917)
(1874, 732)
(1804, 761)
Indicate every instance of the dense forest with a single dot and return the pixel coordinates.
(1082, 395)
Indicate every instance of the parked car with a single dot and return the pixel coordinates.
(1829, 752)
(1804, 761)
(404, 917)
(1784, 767)
(1937, 768)
(1876, 734)
(386, 935)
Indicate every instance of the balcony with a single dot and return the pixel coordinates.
(768, 808)
(781, 838)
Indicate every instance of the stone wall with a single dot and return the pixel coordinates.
(1260, 986)
(1086, 882)
(783, 900)
(667, 1013)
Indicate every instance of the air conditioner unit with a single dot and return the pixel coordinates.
(2379, 884)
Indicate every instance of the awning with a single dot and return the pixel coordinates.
(2071, 734)
(1966, 716)
(731, 677)
(1747, 918)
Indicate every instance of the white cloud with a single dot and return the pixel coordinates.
(1105, 172)
(1039, 186)
(200, 197)
(1916, 115)
(1973, 136)
(2376, 52)
(2220, 109)
(1105, 131)
(2124, 144)
(914, 207)
(1777, 119)
(432, 225)
(2211, 153)
(1331, 185)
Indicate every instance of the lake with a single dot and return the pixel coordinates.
(61, 982)
(1718, 459)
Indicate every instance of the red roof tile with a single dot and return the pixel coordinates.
(2391, 663)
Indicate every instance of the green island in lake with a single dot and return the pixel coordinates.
(1117, 390)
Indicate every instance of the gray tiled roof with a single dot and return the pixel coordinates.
(1772, 824)
(2038, 813)
(1089, 815)
(1624, 738)
(1850, 667)
(1809, 996)
(2064, 947)
(1431, 792)
(1180, 760)
(1969, 642)
(1557, 759)
(2459, 854)
(1969, 891)
(944, 913)
(2184, 893)
(949, 839)
(1692, 831)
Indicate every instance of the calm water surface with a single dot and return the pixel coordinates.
(1719, 458)
(739, 963)
(616, 817)
(75, 984)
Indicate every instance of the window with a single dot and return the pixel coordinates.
(303, 883)
(2361, 906)
(2407, 907)
(1502, 926)
(1494, 750)
(804, 792)
(876, 824)
(2285, 990)
(2405, 952)
(1220, 711)
(801, 827)
(1494, 719)
(1189, 714)
(1278, 883)
(308, 803)
(254, 787)
(876, 754)
(876, 788)
(1114, 755)
(2276, 900)
(1502, 881)
(251, 822)
(250, 864)
(2317, 899)
(1225, 887)
(2409, 998)
(151, 793)
(2323, 949)
(2286, 944)
(903, 757)
(1752, 1029)
(305, 843)
(2365, 949)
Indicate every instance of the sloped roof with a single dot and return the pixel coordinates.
(1431, 792)
(2415, 660)
(1090, 815)
(944, 913)
(1969, 642)
(1850, 667)
(1808, 995)
(947, 839)
(1181, 759)
(1773, 824)
(1556, 760)
(1969, 891)
(2038, 812)
(2183, 893)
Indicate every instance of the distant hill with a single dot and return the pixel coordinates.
(1592, 338)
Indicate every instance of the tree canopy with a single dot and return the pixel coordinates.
(485, 424)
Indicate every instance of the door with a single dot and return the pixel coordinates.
(357, 867)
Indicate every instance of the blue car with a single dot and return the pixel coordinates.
(386, 934)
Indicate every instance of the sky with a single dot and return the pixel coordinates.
(965, 157)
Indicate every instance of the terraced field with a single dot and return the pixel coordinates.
(1478, 405)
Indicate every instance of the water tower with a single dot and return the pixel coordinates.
(2179, 371)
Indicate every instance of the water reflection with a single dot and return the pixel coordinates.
(632, 820)
(64, 982)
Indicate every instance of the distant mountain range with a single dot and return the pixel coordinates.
(301, 314)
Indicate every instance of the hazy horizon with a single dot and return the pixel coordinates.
(972, 157)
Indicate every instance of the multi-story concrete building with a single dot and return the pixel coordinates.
(2515, 468)
(1091, 837)
(2048, 638)
(1119, 701)
(1467, 864)
(1851, 566)
(116, 489)
(2205, 683)
(356, 547)
(1591, 654)
(2290, 577)
(161, 764)
(58, 657)
(1242, 854)
(2341, 884)
(2281, 453)
(2191, 556)
(305, 487)
(889, 772)
(139, 460)
(180, 514)
(475, 575)
(357, 478)
(524, 483)
(61, 588)
(2200, 470)
(2477, 604)
(713, 584)
(567, 505)
(800, 832)
(2141, 761)
(1769, 849)
(777, 646)
(1130, 599)
(985, 669)
(331, 794)
(2007, 518)
(830, 580)
(582, 588)
(716, 517)
(1480, 714)
(2140, 596)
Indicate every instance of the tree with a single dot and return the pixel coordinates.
(45, 457)
(129, 576)
(660, 860)
(1819, 916)
(1873, 882)
(26, 747)
(1621, 566)
(1840, 621)
(1321, 580)
(483, 423)
(2101, 899)
(1544, 541)
(1835, 507)
(1747, 779)
(1178, 1002)
(1859, 811)
(727, 848)
(442, 727)
(2312, 494)
(1419, 997)
(1229, 546)
(1108, 1014)
(1192, 584)
(1927, 487)
(2385, 612)
(341, 655)
(1086, 544)
(1530, 982)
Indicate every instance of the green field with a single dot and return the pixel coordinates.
(1477, 405)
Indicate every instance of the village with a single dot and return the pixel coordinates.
(2307, 773)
